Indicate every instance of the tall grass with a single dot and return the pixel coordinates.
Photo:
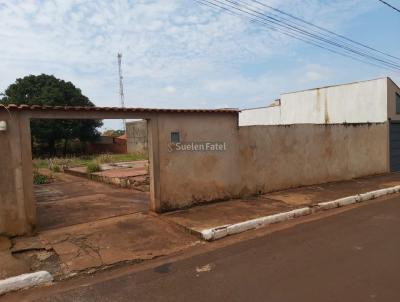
(58, 164)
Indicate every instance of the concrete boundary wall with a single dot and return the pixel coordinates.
(178, 178)
(255, 159)
(281, 157)
(190, 177)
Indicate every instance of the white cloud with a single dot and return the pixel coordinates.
(170, 89)
(314, 73)
(167, 46)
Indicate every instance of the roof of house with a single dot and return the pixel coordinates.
(116, 109)
(277, 102)
(342, 84)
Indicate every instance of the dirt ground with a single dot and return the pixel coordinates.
(71, 200)
(85, 226)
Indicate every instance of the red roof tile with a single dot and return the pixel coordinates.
(117, 109)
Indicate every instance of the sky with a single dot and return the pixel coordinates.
(180, 54)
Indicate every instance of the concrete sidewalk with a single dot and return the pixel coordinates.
(213, 216)
(83, 232)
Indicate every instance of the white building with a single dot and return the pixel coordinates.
(372, 101)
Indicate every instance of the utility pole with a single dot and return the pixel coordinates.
(121, 87)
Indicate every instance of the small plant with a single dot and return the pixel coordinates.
(105, 158)
(59, 164)
(56, 169)
(40, 179)
(93, 167)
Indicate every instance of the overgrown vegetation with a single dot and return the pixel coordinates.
(58, 164)
(40, 179)
(93, 167)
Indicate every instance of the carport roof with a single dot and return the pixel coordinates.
(14, 107)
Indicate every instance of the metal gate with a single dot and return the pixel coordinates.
(394, 136)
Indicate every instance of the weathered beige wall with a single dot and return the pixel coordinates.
(279, 157)
(194, 177)
(17, 205)
(257, 159)
(136, 133)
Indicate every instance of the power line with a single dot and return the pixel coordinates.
(293, 30)
(310, 42)
(324, 39)
(324, 29)
(238, 5)
(298, 31)
(391, 6)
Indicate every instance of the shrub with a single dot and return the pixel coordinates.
(93, 167)
(56, 168)
(105, 158)
(59, 164)
(40, 179)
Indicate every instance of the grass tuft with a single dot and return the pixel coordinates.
(93, 167)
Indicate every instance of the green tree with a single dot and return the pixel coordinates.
(48, 90)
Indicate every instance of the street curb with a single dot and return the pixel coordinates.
(25, 281)
(225, 230)
(222, 231)
(356, 198)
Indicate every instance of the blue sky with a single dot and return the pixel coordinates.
(179, 54)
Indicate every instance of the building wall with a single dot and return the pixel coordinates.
(109, 144)
(361, 102)
(257, 159)
(179, 179)
(187, 178)
(279, 157)
(392, 89)
(137, 137)
(260, 116)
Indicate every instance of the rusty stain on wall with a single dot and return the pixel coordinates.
(326, 114)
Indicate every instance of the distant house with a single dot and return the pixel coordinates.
(108, 144)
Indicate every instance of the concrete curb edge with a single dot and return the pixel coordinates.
(220, 232)
(225, 230)
(356, 198)
(25, 281)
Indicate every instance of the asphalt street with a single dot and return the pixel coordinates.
(351, 256)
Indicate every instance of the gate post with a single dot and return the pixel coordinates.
(154, 162)
(17, 203)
